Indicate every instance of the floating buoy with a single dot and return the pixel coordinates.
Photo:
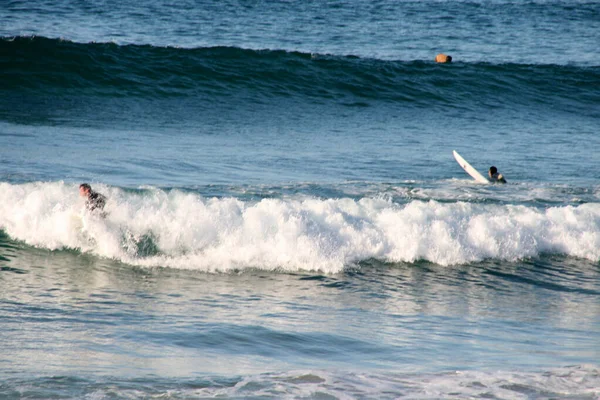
(443, 58)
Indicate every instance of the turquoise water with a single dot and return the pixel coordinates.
(285, 218)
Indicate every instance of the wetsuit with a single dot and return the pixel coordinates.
(95, 201)
(498, 178)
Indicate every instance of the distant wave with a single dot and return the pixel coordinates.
(185, 230)
(39, 65)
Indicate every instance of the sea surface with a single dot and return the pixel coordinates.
(285, 218)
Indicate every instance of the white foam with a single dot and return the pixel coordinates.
(185, 230)
(574, 382)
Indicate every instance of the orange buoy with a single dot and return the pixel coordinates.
(443, 58)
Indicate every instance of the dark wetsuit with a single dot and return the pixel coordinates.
(95, 201)
(497, 178)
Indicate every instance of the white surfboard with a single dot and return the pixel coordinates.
(469, 169)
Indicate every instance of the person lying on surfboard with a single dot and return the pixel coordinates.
(93, 200)
(495, 176)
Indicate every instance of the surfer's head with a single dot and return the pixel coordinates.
(84, 189)
(493, 170)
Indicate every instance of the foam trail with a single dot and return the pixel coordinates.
(573, 382)
(175, 229)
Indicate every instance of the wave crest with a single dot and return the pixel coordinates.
(41, 65)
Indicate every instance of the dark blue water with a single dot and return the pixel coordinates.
(285, 218)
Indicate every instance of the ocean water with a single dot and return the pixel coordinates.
(285, 218)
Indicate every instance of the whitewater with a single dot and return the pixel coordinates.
(174, 228)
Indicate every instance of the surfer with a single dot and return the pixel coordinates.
(94, 200)
(495, 176)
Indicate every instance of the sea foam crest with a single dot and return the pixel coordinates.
(178, 229)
